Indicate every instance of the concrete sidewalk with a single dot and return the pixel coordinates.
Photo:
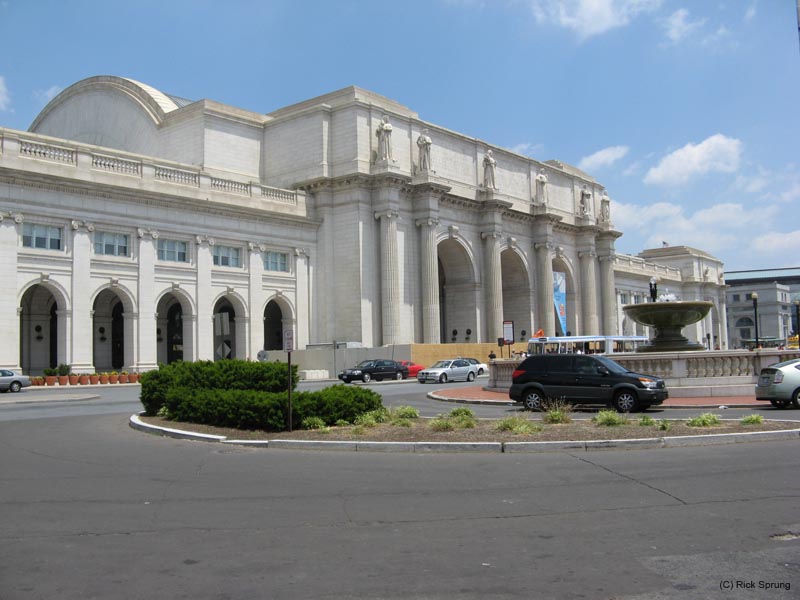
(479, 395)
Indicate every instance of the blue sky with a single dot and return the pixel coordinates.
(685, 110)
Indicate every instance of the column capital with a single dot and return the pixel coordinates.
(16, 217)
(429, 221)
(587, 254)
(142, 233)
(201, 239)
(389, 214)
(608, 257)
(543, 246)
(77, 224)
(495, 235)
(302, 252)
(256, 247)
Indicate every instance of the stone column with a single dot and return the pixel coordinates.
(589, 307)
(390, 285)
(205, 310)
(609, 295)
(302, 320)
(148, 349)
(9, 324)
(429, 270)
(493, 285)
(79, 351)
(544, 288)
(255, 270)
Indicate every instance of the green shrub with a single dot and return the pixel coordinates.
(465, 422)
(401, 422)
(557, 410)
(406, 412)
(704, 420)
(462, 411)
(663, 425)
(366, 420)
(517, 425)
(441, 423)
(609, 418)
(752, 420)
(646, 421)
(313, 423)
(342, 423)
(63, 369)
(50, 371)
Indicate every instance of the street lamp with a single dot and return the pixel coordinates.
(653, 289)
(754, 296)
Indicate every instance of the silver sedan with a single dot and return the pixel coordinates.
(449, 370)
(780, 384)
(10, 381)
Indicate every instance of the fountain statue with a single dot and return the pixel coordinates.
(668, 316)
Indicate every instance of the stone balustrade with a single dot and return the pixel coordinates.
(117, 165)
(720, 372)
(47, 152)
(177, 176)
(230, 187)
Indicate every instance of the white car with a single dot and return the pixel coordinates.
(13, 382)
(482, 367)
(449, 370)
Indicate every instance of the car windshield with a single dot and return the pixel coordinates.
(365, 363)
(612, 366)
(442, 364)
(787, 363)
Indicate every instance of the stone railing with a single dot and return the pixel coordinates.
(701, 370)
(18, 144)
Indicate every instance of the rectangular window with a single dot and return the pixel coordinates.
(226, 256)
(110, 244)
(41, 236)
(624, 298)
(172, 250)
(276, 261)
(736, 298)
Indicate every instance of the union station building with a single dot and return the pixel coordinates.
(138, 228)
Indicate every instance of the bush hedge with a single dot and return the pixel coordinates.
(246, 395)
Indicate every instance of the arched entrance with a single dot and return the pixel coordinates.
(457, 294)
(273, 326)
(224, 330)
(564, 298)
(109, 332)
(174, 334)
(40, 339)
(517, 305)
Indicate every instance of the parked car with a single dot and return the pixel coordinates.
(584, 379)
(780, 384)
(449, 370)
(377, 369)
(14, 382)
(413, 368)
(482, 367)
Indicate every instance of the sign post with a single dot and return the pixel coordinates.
(508, 334)
(288, 346)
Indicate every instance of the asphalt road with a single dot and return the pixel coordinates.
(93, 509)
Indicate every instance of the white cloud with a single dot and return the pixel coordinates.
(678, 26)
(717, 153)
(590, 17)
(722, 38)
(5, 97)
(750, 14)
(527, 148)
(43, 97)
(602, 158)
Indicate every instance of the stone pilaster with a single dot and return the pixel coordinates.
(609, 295)
(147, 254)
(590, 324)
(429, 269)
(9, 325)
(205, 310)
(79, 352)
(390, 285)
(493, 285)
(255, 271)
(544, 288)
(302, 266)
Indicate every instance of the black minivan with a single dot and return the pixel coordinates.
(584, 379)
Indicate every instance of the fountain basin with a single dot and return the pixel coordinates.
(668, 319)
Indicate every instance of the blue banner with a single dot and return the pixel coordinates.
(560, 299)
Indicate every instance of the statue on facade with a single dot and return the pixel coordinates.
(541, 187)
(424, 144)
(585, 201)
(489, 171)
(605, 208)
(384, 133)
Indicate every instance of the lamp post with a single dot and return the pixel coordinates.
(653, 289)
(797, 318)
(754, 296)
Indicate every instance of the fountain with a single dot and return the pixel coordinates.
(668, 317)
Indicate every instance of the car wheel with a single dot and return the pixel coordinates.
(480, 371)
(470, 376)
(533, 400)
(366, 378)
(442, 378)
(15, 386)
(399, 376)
(626, 401)
(780, 403)
(796, 398)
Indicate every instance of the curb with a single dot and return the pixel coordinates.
(482, 447)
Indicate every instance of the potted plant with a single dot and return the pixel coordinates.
(83, 378)
(62, 372)
(113, 377)
(73, 378)
(123, 377)
(133, 378)
(50, 376)
(94, 378)
(37, 380)
(103, 377)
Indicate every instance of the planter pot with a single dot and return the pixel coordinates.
(63, 379)
(73, 379)
(103, 378)
(133, 378)
(94, 379)
(123, 378)
(113, 379)
(37, 381)
(83, 379)
(50, 379)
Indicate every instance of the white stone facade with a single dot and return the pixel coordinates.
(141, 201)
